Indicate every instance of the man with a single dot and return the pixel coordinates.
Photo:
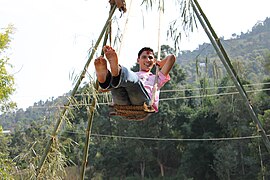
(128, 87)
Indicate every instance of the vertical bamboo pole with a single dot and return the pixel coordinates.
(226, 62)
(90, 114)
(64, 112)
(91, 109)
(261, 161)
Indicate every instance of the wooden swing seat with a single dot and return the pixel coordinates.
(131, 112)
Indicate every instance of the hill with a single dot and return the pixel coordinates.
(247, 51)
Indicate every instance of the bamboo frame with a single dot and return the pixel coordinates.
(226, 62)
(91, 109)
(65, 110)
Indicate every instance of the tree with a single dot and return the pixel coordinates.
(6, 79)
(6, 90)
(6, 165)
(267, 57)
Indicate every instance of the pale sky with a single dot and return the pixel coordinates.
(52, 37)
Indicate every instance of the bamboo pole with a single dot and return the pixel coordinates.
(64, 112)
(90, 111)
(90, 114)
(226, 62)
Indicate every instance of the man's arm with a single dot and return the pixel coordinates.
(166, 64)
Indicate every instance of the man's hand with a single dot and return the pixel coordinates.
(158, 62)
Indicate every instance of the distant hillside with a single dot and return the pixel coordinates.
(249, 50)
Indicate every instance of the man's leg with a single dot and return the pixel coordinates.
(120, 96)
(125, 82)
(129, 80)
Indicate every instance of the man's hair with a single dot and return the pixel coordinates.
(145, 49)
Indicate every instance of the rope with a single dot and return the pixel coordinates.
(177, 139)
(125, 28)
(159, 139)
(158, 56)
(169, 139)
(163, 99)
(178, 90)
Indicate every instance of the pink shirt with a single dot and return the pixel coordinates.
(148, 80)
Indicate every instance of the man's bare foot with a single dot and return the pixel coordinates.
(101, 69)
(113, 59)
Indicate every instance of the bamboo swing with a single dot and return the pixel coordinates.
(139, 112)
(220, 51)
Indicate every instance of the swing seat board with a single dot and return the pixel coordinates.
(131, 112)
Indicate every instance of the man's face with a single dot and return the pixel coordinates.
(146, 61)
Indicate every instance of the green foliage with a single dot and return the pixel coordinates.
(6, 164)
(261, 101)
(225, 163)
(6, 79)
(267, 64)
(6, 90)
